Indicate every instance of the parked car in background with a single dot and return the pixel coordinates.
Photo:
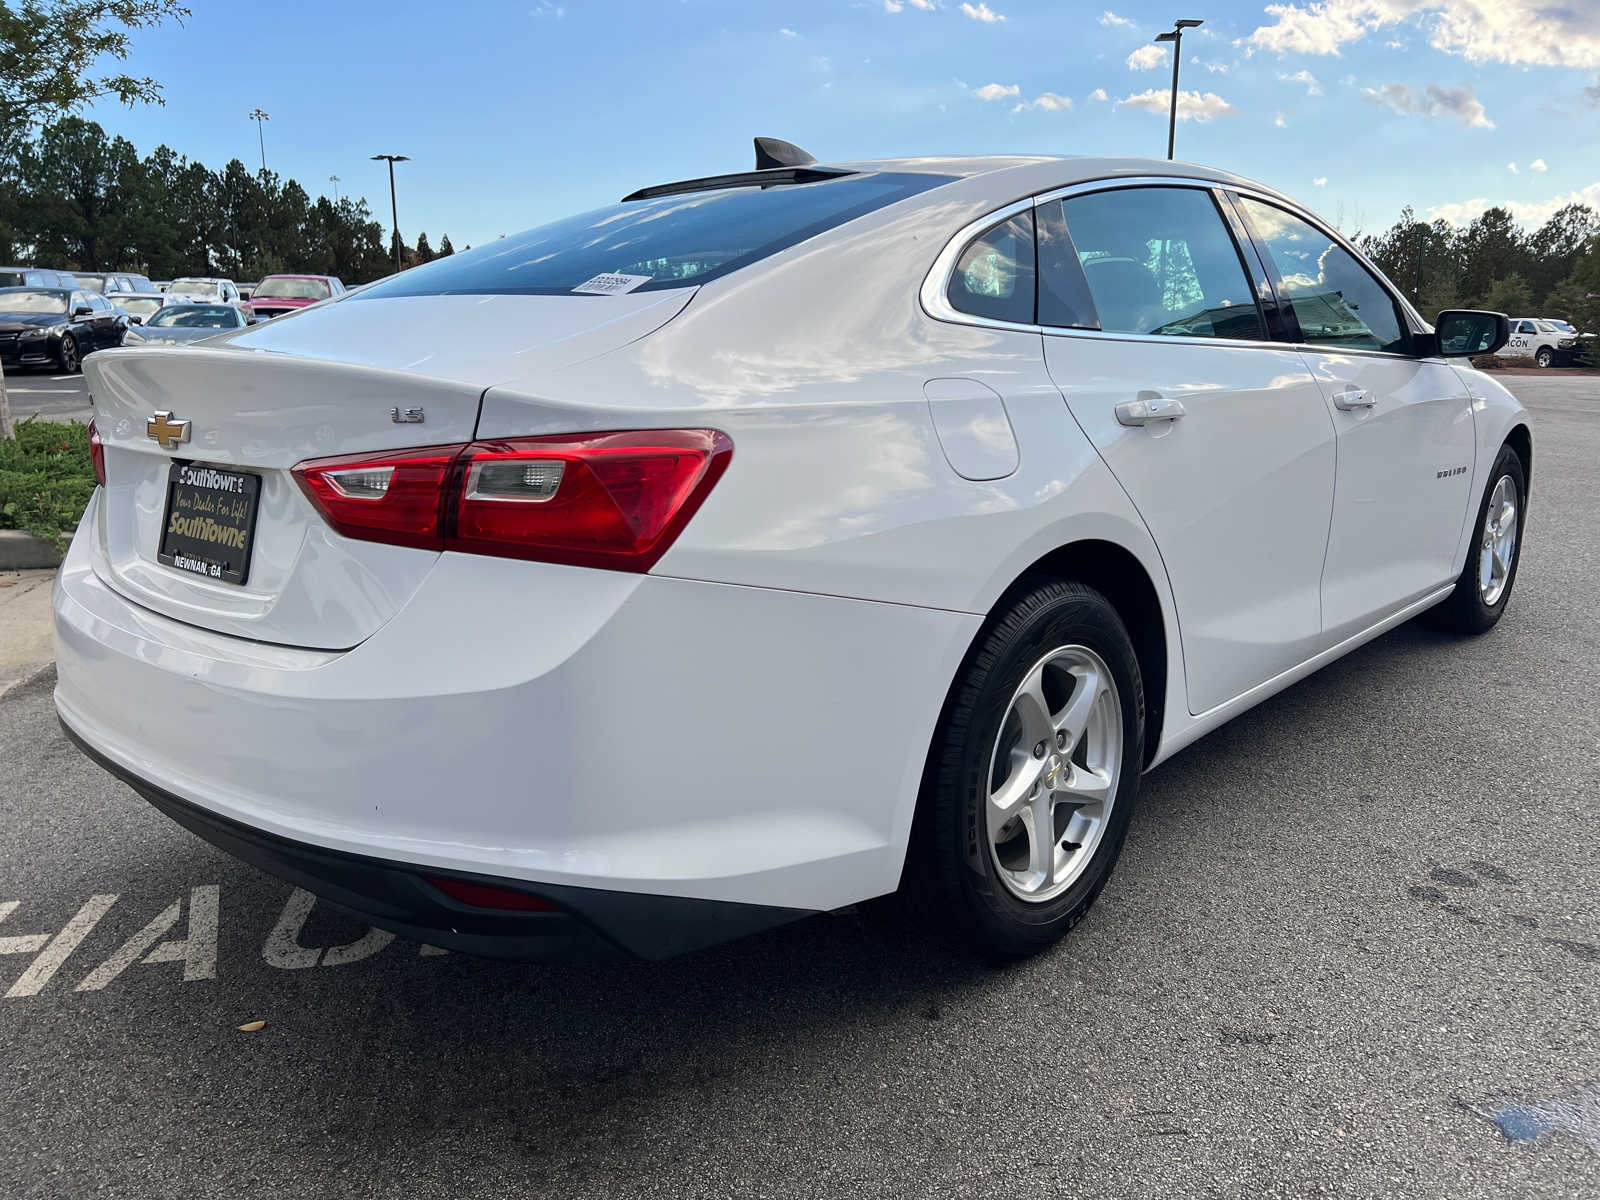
(56, 327)
(113, 281)
(140, 306)
(279, 294)
(163, 284)
(180, 324)
(247, 289)
(205, 290)
(1549, 343)
(35, 277)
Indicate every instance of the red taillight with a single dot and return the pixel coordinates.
(613, 500)
(97, 454)
(490, 897)
(392, 498)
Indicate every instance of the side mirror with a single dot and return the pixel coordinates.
(1467, 333)
(83, 310)
(136, 320)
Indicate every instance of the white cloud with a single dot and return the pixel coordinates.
(892, 6)
(546, 9)
(1462, 103)
(1320, 181)
(1536, 213)
(982, 13)
(1049, 101)
(1146, 57)
(1537, 165)
(994, 91)
(788, 33)
(1192, 106)
(1098, 94)
(1282, 119)
(1110, 18)
(1217, 68)
(926, 5)
(1512, 167)
(1313, 88)
(1511, 31)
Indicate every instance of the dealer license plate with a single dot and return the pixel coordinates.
(210, 522)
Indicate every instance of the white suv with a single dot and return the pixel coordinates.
(769, 542)
(199, 290)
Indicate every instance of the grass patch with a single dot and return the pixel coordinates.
(46, 478)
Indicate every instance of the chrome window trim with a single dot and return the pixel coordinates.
(936, 285)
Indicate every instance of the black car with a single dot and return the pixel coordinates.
(56, 327)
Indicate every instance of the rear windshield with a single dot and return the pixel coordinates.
(33, 302)
(138, 305)
(291, 289)
(194, 287)
(671, 241)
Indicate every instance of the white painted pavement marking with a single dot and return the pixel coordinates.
(283, 948)
(131, 950)
(21, 944)
(43, 968)
(198, 952)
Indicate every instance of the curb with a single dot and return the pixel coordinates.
(21, 551)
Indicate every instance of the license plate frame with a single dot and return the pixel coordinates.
(208, 523)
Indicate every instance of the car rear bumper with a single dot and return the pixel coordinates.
(593, 926)
(556, 726)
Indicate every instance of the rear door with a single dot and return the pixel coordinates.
(1236, 490)
(1406, 440)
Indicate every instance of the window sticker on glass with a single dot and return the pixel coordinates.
(612, 285)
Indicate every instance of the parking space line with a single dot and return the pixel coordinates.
(131, 950)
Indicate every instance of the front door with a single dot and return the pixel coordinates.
(1237, 491)
(1406, 436)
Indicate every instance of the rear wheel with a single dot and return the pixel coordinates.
(1032, 776)
(1546, 357)
(67, 357)
(1485, 583)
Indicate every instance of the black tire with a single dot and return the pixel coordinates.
(67, 357)
(1464, 610)
(950, 886)
(1545, 357)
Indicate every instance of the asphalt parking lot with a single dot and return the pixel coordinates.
(1350, 929)
(52, 397)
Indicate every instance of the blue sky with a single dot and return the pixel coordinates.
(514, 114)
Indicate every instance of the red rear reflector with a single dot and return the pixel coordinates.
(612, 500)
(490, 897)
(392, 498)
(97, 454)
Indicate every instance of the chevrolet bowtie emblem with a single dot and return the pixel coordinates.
(162, 428)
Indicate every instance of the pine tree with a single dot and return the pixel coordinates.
(424, 252)
(445, 248)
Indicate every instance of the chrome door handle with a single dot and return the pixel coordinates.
(1352, 398)
(1143, 412)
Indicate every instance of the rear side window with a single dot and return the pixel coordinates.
(669, 241)
(1064, 298)
(1336, 301)
(994, 275)
(1160, 260)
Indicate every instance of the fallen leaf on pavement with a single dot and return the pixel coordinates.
(252, 1026)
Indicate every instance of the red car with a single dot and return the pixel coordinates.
(279, 294)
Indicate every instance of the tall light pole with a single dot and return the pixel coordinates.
(260, 118)
(334, 179)
(1176, 38)
(394, 209)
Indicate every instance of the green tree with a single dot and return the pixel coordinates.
(1510, 295)
(424, 252)
(445, 248)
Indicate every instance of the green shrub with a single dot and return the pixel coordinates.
(46, 478)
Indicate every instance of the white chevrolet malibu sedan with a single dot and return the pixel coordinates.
(769, 542)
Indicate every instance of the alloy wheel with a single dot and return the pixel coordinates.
(1498, 549)
(1053, 773)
